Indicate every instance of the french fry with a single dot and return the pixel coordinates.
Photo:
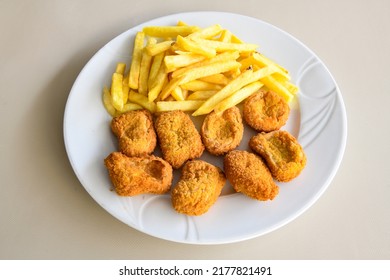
(146, 62)
(158, 83)
(218, 58)
(169, 31)
(206, 33)
(136, 60)
(142, 100)
(155, 49)
(198, 85)
(117, 91)
(172, 62)
(189, 45)
(186, 105)
(247, 77)
(219, 79)
(266, 61)
(177, 94)
(120, 68)
(154, 68)
(107, 102)
(224, 46)
(129, 107)
(201, 94)
(125, 88)
(226, 36)
(277, 87)
(238, 97)
(208, 70)
(166, 91)
(181, 23)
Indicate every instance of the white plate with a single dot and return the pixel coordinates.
(318, 120)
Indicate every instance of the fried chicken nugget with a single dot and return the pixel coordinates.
(266, 111)
(198, 189)
(138, 175)
(283, 154)
(179, 140)
(135, 133)
(249, 175)
(223, 132)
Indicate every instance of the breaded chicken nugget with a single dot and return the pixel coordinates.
(137, 175)
(222, 132)
(249, 175)
(266, 111)
(179, 140)
(135, 132)
(283, 154)
(198, 189)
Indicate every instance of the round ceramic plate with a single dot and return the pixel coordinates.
(317, 119)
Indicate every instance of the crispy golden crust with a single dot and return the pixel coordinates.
(266, 111)
(135, 133)
(137, 175)
(178, 137)
(249, 175)
(283, 154)
(198, 189)
(223, 132)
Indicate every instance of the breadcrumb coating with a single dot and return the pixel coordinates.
(199, 187)
(266, 111)
(178, 138)
(249, 175)
(283, 154)
(223, 132)
(135, 132)
(138, 175)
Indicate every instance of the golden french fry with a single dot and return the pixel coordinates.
(130, 107)
(224, 46)
(198, 85)
(169, 31)
(247, 77)
(186, 105)
(117, 91)
(154, 68)
(218, 58)
(173, 62)
(201, 94)
(125, 88)
(238, 97)
(219, 79)
(277, 87)
(136, 60)
(120, 68)
(226, 36)
(181, 23)
(146, 62)
(142, 100)
(194, 47)
(155, 49)
(177, 94)
(166, 91)
(206, 33)
(266, 61)
(208, 70)
(158, 83)
(107, 102)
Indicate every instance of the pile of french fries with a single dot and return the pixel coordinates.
(194, 69)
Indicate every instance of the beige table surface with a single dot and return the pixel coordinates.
(45, 213)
